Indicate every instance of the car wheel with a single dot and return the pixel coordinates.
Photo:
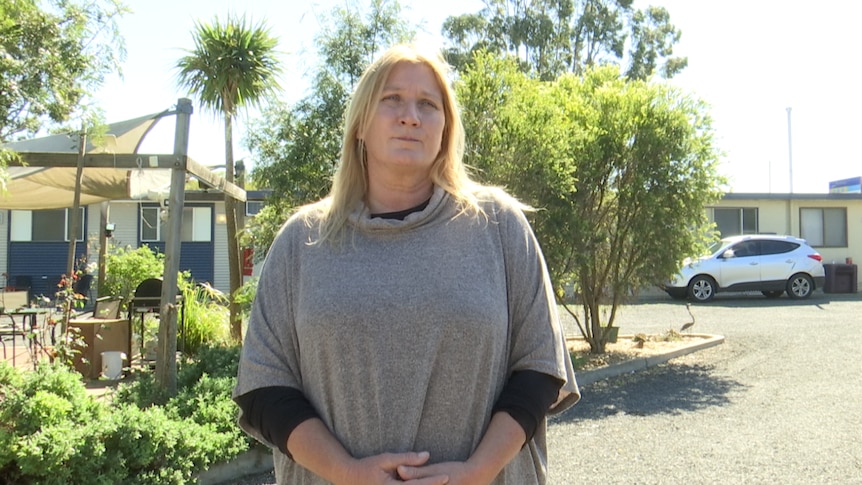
(772, 294)
(701, 289)
(800, 286)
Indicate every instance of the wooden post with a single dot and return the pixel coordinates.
(75, 219)
(166, 356)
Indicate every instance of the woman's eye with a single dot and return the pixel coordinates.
(428, 103)
(392, 98)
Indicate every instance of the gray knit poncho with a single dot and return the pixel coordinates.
(403, 336)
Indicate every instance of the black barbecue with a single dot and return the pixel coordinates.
(148, 299)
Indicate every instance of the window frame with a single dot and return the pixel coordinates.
(824, 238)
(21, 225)
(199, 233)
(740, 219)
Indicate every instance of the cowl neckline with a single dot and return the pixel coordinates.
(361, 218)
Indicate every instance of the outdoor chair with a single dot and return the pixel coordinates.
(83, 287)
(105, 308)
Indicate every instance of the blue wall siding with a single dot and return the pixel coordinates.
(44, 261)
(195, 257)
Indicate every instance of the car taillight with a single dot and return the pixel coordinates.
(816, 257)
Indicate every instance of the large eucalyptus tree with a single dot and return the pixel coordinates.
(234, 65)
(552, 37)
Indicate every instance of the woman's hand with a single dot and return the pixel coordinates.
(384, 469)
(459, 473)
(502, 441)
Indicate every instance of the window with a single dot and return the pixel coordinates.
(196, 224)
(768, 247)
(745, 248)
(252, 207)
(824, 227)
(151, 223)
(44, 225)
(735, 221)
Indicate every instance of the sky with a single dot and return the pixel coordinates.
(779, 77)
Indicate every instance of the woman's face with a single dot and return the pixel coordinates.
(406, 129)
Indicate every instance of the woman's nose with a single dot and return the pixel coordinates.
(409, 114)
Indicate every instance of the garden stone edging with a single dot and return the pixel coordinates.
(591, 376)
(259, 460)
(251, 462)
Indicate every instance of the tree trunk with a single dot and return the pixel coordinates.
(234, 263)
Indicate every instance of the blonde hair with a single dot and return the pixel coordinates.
(350, 182)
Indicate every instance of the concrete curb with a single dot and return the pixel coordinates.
(251, 462)
(591, 376)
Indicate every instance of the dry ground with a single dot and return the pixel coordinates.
(627, 347)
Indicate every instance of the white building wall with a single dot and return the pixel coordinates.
(124, 215)
(221, 271)
(4, 244)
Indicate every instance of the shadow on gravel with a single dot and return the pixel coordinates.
(666, 389)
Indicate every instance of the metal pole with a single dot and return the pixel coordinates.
(104, 216)
(790, 149)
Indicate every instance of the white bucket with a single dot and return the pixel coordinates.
(112, 364)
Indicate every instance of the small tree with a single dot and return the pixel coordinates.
(233, 66)
(646, 169)
(619, 171)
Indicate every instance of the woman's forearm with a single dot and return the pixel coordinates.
(501, 443)
(314, 447)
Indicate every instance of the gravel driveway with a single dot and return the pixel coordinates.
(779, 402)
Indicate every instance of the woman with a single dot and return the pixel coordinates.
(404, 328)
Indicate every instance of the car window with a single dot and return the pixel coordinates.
(777, 247)
(745, 248)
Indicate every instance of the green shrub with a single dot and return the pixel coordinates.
(127, 268)
(206, 317)
(244, 296)
(52, 432)
(215, 361)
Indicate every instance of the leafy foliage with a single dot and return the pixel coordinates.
(53, 54)
(552, 37)
(619, 169)
(298, 147)
(52, 432)
(126, 268)
(206, 317)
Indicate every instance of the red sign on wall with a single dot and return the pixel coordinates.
(247, 261)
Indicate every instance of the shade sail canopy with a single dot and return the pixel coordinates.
(44, 176)
(51, 187)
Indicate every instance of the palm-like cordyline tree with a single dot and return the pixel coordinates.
(233, 65)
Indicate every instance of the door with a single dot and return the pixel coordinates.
(776, 263)
(742, 267)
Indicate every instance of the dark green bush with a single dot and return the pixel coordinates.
(213, 361)
(52, 432)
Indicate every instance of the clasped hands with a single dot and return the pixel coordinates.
(411, 468)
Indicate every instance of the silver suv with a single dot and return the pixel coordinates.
(769, 264)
